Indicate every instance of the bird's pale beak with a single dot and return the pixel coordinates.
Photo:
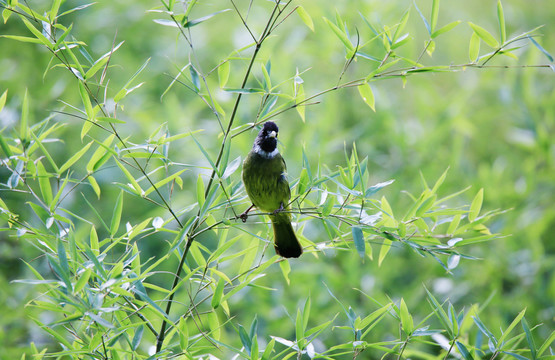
(272, 134)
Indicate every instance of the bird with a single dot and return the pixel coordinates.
(265, 180)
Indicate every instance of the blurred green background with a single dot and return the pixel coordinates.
(493, 128)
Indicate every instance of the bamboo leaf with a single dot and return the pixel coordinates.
(341, 35)
(367, 95)
(536, 44)
(501, 19)
(529, 338)
(474, 47)
(426, 24)
(476, 206)
(223, 73)
(3, 99)
(358, 239)
(116, 215)
(44, 184)
(24, 125)
(130, 178)
(484, 35)
(406, 318)
(72, 160)
(513, 324)
(445, 28)
(163, 182)
(435, 13)
(305, 17)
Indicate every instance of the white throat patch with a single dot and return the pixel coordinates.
(265, 154)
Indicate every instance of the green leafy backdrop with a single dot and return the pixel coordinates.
(419, 144)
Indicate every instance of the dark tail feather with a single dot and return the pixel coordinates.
(285, 240)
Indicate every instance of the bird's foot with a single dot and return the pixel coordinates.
(244, 216)
(277, 211)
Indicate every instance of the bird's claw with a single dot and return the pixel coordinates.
(244, 217)
(277, 211)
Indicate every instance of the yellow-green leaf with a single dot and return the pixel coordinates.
(116, 216)
(476, 205)
(474, 47)
(3, 99)
(501, 18)
(367, 95)
(406, 318)
(72, 160)
(484, 35)
(305, 17)
(223, 73)
(44, 183)
(341, 35)
(445, 28)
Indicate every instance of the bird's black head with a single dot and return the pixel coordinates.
(267, 138)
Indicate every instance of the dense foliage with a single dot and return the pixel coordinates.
(420, 152)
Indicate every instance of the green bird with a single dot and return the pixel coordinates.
(265, 179)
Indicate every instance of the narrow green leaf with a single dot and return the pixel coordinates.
(485, 330)
(218, 292)
(435, 13)
(267, 78)
(474, 47)
(536, 44)
(445, 28)
(406, 318)
(22, 38)
(116, 216)
(131, 179)
(38, 34)
(183, 334)
(529, 338)
(358, 238)
(386, 246)
(305, 17)
(464, 351)
(44, 151)
(86, 103)
(245, 339)
(200, 191)
(195, 79)
(401, 26)
(299, 330)
(426, 24)
(72, 160)
(99, 156)
(44, 183)
(139, 330)
(306, 312)
(454, 224)
(341, 35)
(367, 95)
(547, 343)
(501, 18)
(285, 270)
(440, 313)
(163, 182)
(195, 22)
(476, 206)
(513, 324)
(3, 99)
(82, 282)
(484, 35)
(24, 123)
(110, 120)
(94, 185)
(223, 73)
(299, 100)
